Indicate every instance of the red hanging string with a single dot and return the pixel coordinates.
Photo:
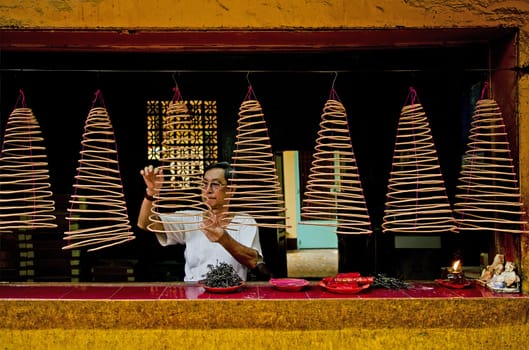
(412, 97)
(334, 95)
(177, 96)
(485, 90)
(21, 103)
(250, 95)
(98, 97)
(21, 99)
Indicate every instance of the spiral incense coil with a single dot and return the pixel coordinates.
(98, 213)
(416, 202)
(25, 192)
(334, 190)
(488, 192)
(182, 178)
(255, 187)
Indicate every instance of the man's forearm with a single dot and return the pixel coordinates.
(243, 254)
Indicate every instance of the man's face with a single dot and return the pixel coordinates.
(214, 188)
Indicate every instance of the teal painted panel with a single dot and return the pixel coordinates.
(312, 236)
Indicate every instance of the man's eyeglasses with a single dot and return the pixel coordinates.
(214, 185)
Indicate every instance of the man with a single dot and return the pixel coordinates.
(210, 238)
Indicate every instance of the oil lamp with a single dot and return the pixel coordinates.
(455, 273)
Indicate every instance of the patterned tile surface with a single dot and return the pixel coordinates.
(253, 290)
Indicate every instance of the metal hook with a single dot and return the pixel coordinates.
(174, 80)
(248, 78)
(333, 94)
(334, 80)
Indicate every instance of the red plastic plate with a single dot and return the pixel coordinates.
(230, 289)
(342, 288)
(450, 284)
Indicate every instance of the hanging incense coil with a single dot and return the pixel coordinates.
(416, 201)
(334, 191)
(25, 192)
(254, 187)
(181, 178)
(98, 213)
(489, 194)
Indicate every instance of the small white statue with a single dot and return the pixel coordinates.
(495, 269)
(504, 278)
(510, 277)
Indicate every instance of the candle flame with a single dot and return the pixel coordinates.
(457, 266)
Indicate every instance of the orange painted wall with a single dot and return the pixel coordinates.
(215, 14)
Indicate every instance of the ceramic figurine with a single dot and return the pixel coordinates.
(510, 277)
(501, 278)
(496, 268)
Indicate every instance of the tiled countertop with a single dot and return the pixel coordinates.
(174, 305)
(252, 291)
(166, 315)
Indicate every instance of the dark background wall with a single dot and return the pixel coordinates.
(292, 89)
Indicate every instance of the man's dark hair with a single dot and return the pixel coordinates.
(221, 165)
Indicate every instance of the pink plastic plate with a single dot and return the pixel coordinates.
(289, 284)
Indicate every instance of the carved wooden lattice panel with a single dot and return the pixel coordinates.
(201, 143)
(98, 213)
(155, 111)
(26, 199)
(255, 187)
(489, 195)
(334, 191)
(416, 201)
